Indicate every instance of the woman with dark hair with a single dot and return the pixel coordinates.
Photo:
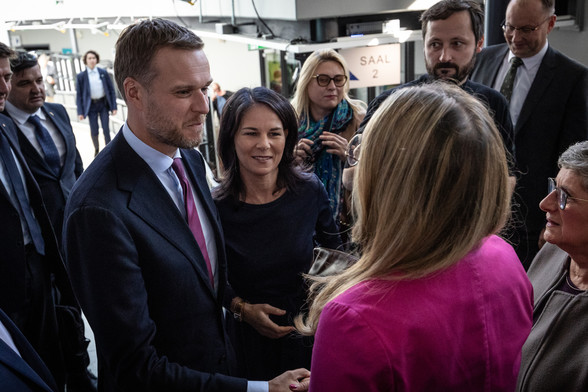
(272, 213)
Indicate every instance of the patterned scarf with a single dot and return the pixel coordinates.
(328, 167)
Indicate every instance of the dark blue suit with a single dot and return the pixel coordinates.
(554, 116)
(142, 280)
(94, 109)
(17, 271)
(55, 188)
(24, 373)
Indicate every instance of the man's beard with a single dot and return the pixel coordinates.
(460, 75)
(164, 131)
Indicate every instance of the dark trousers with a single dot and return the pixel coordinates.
(37, 319)
(99, 108)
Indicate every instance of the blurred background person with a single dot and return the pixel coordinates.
(95, 96)
(219, 98)
(270, 211)
(554, 356)
(328, 120)
(49, 74)
(436, 300)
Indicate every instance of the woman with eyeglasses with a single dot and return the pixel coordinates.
(554, 356)
(328, 120)
(437, 301)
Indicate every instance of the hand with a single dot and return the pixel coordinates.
(302, 385)
(334, 143)
(289, 381)
(303, 151)
(81, 117)
(114, 112)
(257, 315)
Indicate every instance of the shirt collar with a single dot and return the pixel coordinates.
(20, 116)
(157, 161)
(533, 61)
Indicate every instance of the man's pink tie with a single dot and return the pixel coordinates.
(192, 214)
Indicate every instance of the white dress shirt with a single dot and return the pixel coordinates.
(96, 86)
(21, 119)
(523, 80)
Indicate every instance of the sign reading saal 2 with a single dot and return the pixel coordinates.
(373, 65)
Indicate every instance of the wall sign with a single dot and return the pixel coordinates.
(373, 65)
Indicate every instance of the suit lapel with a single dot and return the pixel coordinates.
(30, 364)
(11, 360)
(545, 74)
(150, 201)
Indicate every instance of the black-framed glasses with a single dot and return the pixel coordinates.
(324, 80)
(562, 195)
(353, 150)
(510, 29)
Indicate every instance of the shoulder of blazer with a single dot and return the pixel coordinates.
(56, 108)
(9, 128)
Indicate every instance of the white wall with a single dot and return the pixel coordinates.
(232, 65)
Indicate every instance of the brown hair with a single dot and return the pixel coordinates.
(138, 43)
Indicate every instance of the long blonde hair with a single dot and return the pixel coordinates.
(301, 101)
(431, 183)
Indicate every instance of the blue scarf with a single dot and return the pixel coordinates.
(328, 167)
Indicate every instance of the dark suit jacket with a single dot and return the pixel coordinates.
(496, 103)
(83, 93)
(13, 258)
(554, 116)
(25, 373)
(54, 188)
(142, 280)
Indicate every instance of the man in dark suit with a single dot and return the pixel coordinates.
(35, 291)
(143, 242)
(453, 34)
(21, 368)
(95, 96)
(26, 99)
(548, 105)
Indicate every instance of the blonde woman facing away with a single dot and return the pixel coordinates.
(436, 301)
(328, 119)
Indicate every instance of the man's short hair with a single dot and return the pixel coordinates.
(22, 60)
(5, 51)
(91, 52)
(445, 8)
(138, 43)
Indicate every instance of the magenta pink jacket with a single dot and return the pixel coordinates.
(458, 330)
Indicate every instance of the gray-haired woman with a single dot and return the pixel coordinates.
(554, 356)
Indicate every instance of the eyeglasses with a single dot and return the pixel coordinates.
(324, 80)
(510, 29)
(353, 149)
(562, 196)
